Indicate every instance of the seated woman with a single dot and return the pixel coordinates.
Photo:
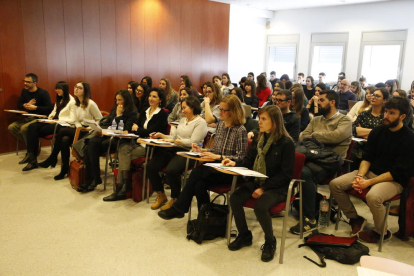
(272, 154)
(192, 129)
(186, 82)
(355, 88)
(262, 91)
(147, 80)
(153, 119)
(123, 110)
(210, 106)
(272, 100)
(176, 115)
(250, 97)
(312, 105)
(84, 108)
(141, 97)
(362, 105)
(298, 105)
(227, 86)
(230, 143)
(309, 88)
(366, 121)
(172, 97)
(36, 130)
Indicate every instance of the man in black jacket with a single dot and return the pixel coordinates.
(291, 120)
(386, 167)
(34, 100)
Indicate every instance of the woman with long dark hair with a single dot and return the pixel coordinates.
(176, 114)
(309, 88)
(123, 111)
(262, 91)
(250, 97)
(210, 106)
(298, 105)
(61, 112)
(355, 88)
(84, 108)
(227, 85)
(147, 80)
(141, 96)
(272, 154)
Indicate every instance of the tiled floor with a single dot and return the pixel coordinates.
(47, 228)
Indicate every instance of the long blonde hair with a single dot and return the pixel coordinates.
(168, 89)
(236, 109)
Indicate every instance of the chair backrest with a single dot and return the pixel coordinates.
(104, 113)
(349, 151)
(298, 167)
(249, 144)
(168, 130)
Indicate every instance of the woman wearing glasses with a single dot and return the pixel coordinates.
(230, 143)
(210, 106)
(366, 121)
(362, 105)
(141, 97)
(84, 108)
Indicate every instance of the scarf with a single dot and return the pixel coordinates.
(260, 162)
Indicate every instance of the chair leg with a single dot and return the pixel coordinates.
(17, 146)
(300, 210)
(337, 218)
(230, 216)
(284, 229)
(387, 207)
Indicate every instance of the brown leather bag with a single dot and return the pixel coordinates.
(76, 174)
(137, 183)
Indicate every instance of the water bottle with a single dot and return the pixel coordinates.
(113, 126)
(323, 213)
(121, 126)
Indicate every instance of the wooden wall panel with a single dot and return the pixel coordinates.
(108, 51)
(35, 43)
(123, 42)
(108, 43)
(55, 41)
(92, 50)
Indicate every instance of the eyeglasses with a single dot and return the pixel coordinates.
(78, 87)
(376, 96)
(223, 110)
(139, 91)
(280, 100)
(27, 81)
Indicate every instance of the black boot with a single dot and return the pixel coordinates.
(32, 162)
(94, 183)
(120, 191)
(241, 241)
(49, 162)
(25, 159)
(63, 171)
(268, 250)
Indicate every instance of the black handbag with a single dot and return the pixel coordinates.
(210, 223)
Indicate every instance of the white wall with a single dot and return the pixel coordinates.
(354, 19)
(247, 41)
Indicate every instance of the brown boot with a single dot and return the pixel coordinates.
(394, 211)
(159, 201)
(169, 204)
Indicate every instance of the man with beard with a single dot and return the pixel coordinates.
(291, 120)
(334, 130)
(34, 100)
(385, 168)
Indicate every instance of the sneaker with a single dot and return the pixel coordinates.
(170, 213)
(371, 236)
(308, 226)
(241, 241)
(357, 225)
(268, 250)
(169, 204)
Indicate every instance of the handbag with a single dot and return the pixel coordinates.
(79, 146)
(210, 223)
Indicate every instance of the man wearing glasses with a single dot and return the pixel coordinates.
(34, 100)
(291, 120)
(345, 95)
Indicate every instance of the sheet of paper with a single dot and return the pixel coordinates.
(245, 172)
(363, 271)
(359, 139)
(214, 165)
(92, 124)
(35, 115)
(191, 153)
(16, 111)
(157, 141)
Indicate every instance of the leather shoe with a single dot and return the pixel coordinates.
(170, 214)
(25, 159)
(241, 241)
(30, 166)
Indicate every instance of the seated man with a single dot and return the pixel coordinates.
(386, 167)
(345, 95)
(291, 120)
(35, 100)
(334, 130)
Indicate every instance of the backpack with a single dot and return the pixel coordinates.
(341, 249)
(210, 223)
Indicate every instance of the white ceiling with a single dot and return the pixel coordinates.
(274, 5)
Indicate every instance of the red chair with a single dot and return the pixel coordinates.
(363, 197)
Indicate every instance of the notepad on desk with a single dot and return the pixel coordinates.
(34, 115)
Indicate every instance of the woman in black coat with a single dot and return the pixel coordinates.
(272, 154)
(124, 110)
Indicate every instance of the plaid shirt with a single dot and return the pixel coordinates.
(230, 141)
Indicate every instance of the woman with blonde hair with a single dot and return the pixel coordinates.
(230, 143)
(210, 106)
(362, 105)
(356, 89)
(272, 154)
(172, 96)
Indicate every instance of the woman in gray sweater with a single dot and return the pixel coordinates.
(191, 129)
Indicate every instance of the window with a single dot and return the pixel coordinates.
(281, 54)
(381, 55)
(328, 55)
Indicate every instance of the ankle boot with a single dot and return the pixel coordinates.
(50, 161)
(25, 159)
(64, 171)
(119, 194)
(32, 162)
(268, 250)
(169, 204)
(159, 201)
